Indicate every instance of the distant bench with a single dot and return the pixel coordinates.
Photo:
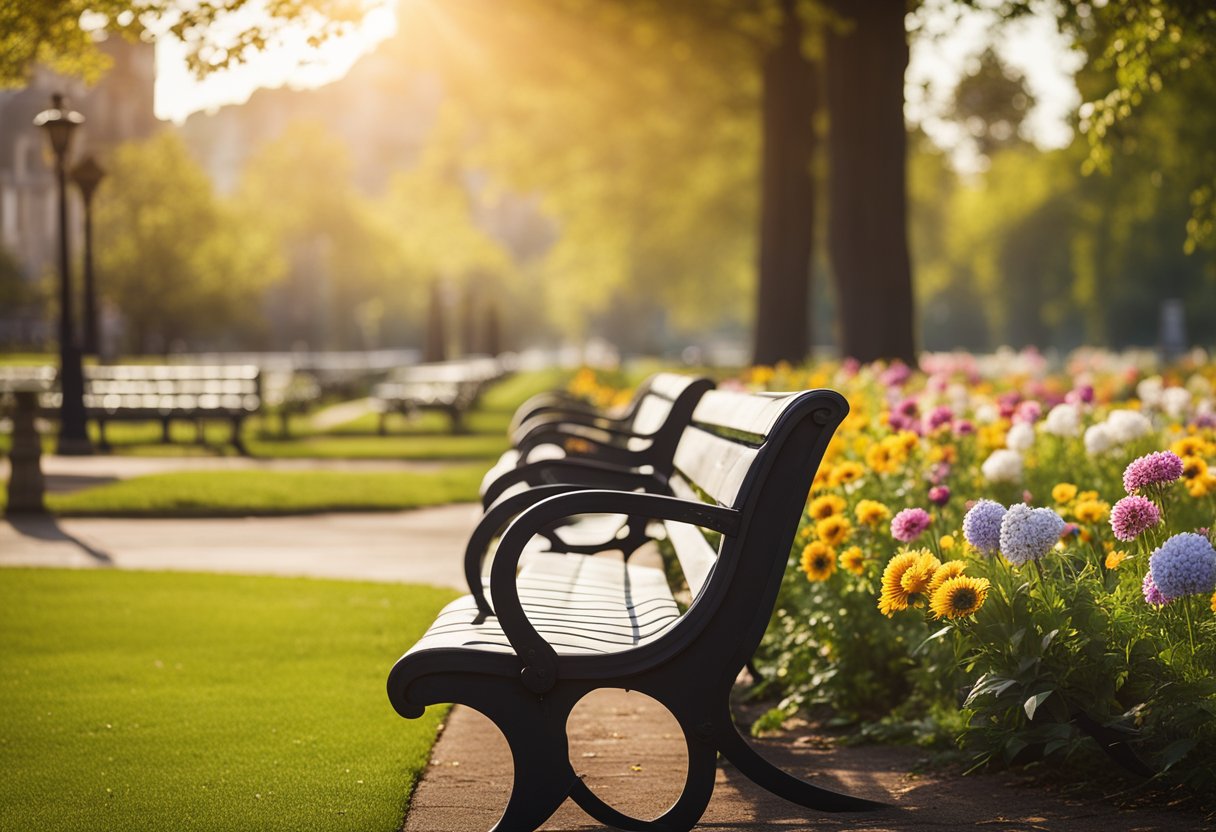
(161, 393)
(453, 387)
(567, 624)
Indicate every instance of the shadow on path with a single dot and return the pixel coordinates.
(45, 527)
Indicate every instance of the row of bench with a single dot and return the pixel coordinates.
(233, 392)
(562, 610)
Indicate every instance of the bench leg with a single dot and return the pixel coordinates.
(164, 431)
(236, 438)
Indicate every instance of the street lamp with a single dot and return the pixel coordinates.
(87, 175)
(59, 124)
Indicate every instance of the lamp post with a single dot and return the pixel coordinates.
(87, 175)
(59, 124)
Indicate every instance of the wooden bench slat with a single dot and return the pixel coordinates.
(717, 465)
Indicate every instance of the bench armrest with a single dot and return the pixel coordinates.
(553, 401)
(588, 473)
(539, 658)
(556, 418)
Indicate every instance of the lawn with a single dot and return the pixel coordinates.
(145, 701)
(251, 493)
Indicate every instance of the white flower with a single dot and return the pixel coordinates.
(1175, 400)
(1149, 390)
(1099, 439)
(987, 413)
(1063, 420)
(1199, 386)
(1003, 465)
(1020, 437)
(1127, 425)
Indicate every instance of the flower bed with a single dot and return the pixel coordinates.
(1016, 559)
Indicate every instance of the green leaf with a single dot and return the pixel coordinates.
(1032, 704)
(1175, 751)
(1047, 639)
(939, 634)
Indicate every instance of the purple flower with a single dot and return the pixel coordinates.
(896, 374)
(1132, 515)
(908, 407)
(939, 495)
(1160, 468)
(1028, 411)
(982, 526)
(1081, 394)
(964, 427)
(1184, 565)
(1152, 595)
(940, 415)
(1029, 533)
(909, 524)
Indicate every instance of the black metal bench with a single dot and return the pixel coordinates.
(568, 624)
(452, 387)
(164, 393)
(636, 452)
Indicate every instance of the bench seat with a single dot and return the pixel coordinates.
(581, 604)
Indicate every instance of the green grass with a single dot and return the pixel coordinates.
(250, 493)
(145, 701)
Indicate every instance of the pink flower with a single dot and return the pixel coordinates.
(939, 495)
(909, 524)
(1160, 468)
(1132, 515)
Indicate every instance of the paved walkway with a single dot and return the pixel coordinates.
(410, 546)
(628, 748)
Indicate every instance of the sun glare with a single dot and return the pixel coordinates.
(293, 63)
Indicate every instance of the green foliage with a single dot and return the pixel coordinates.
(145, 701)
(177, 261)
(63, 34)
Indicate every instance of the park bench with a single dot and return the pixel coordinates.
(453, 387)
(164, 393)
(630, 452)
(569, 624)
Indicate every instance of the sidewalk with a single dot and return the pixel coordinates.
(627, 746)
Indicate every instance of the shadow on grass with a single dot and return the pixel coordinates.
(46, 527)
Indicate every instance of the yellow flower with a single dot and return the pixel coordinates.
(959, 597)
(761, 375)
(818, 561)
(824, 507)
(905, 580)
(1189, 446)
(1091, 511)
(1115, 558)
(1063, 492)
(822, 477)
(1085, 496)
(881, 458)
(1214, 602)
(907, 440)
(946, 542)
(833, 530)
(872, 513)
(943, 453)
(949, 569)
(853, 560)
(1193, 468)
(846, 472)
(992, 436)
(1201, 486)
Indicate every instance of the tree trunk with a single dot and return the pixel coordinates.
(435, 347)
(787, 200)
(867, 224)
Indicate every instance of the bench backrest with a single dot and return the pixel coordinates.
(173, 387)
(757, 453)
(663, 408)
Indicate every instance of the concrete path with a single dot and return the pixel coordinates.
(422, 546)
